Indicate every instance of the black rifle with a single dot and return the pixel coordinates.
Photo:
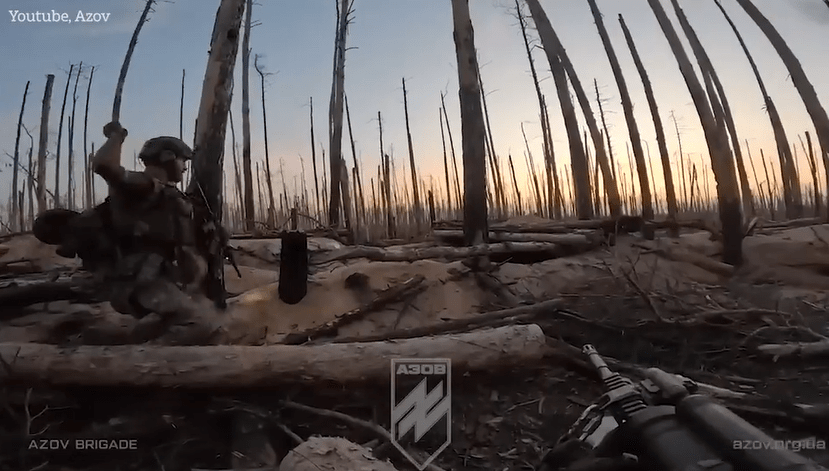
(663, 425)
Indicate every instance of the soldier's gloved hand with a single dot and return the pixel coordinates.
(114, 128)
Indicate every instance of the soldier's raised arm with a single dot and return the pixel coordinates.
(107, 163)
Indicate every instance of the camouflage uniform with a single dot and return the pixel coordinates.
(146, 251)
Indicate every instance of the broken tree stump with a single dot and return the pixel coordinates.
(255, 366)
(293, 267)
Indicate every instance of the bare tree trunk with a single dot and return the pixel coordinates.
(70, 182)
(631, 167)
(650, 170)
(386, 184)
(314, 158)
(783, 149)
(259, 189)
(359, 202)
(531, 167)
(813, 169)
(60, 134)
(268, 174)
(472, 126)
(43, 142)
(826, 167)
(30, 184)
(798, 75)
(708, 69)
(578, 162)
(515, 186)
(681, 162)
(609, 182)
(237, 174)
(88, 174)
(346, 194)
(670, 192)
(284, 186)
(722, 162)
(553, 201)
(445, 163)
(452, 148)
(16, 208)
(418, 210)
(335, 111)
(208, 168)
(493, 157)
(376, 210)
(771, 188)
(627, 106)
(754, 172)
(248, 205)
(606, 132)
(122, 77)
(181, 109)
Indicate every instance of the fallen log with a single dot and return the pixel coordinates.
(803, 222)
(623, 224)
(799, 349)
(222, 366)
(700, 260)
(330, 328)
(21, 296)
(581, 240)
(543, 250)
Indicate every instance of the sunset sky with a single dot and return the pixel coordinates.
(391, 40)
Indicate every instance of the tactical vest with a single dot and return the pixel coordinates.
(159, 223)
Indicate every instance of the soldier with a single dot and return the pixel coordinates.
(145, 244)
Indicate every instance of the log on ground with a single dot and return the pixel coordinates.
(579, 240)
(223, 366)
(26, 295)
(694, 258)
(541, 250)
(798, 349)
(621, 225)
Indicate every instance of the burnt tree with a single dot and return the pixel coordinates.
(42, 143)
(472, 128)
(208, 159)
(722, 162)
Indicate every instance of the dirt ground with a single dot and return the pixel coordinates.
(647, 303)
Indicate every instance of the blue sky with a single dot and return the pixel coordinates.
(390, 40)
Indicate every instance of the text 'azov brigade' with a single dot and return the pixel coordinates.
(82, 444)
(421, 400)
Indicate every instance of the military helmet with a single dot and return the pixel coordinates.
(153, 150)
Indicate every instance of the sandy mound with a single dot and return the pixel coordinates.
(259, 315)
(251, 278)
(27, 247)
